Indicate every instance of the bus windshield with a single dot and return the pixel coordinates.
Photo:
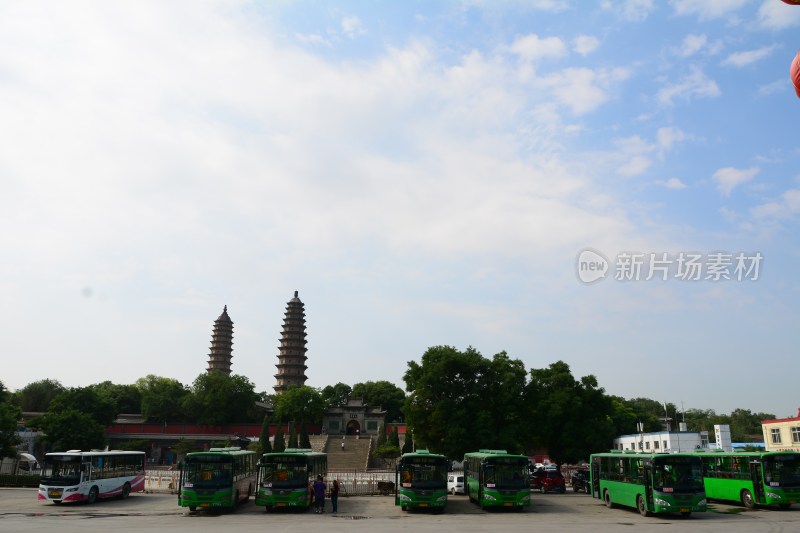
(782, 471)
(286, 472)
(61, 470)
(505, 473)
(208, 472)
(423, 473)
(677, 474)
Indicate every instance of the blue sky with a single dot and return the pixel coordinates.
(423, 173)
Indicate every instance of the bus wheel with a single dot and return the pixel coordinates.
(126, 490)
(267, 508)
(192, 508)
(607, 499)
(403, 508)
(747, 499)
(642, 506)
(92, 495)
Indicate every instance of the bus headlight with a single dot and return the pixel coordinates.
(526, 498)
(266, 492)
(441, 499)
(702, 503)
(403, 498)
(488, 497)
(660, 502)
(773, 496)
(73, 489)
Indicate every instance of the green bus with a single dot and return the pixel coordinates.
(285, 478)
(217, 479)
(421, 481)
(496, 478)
(753, 478)
(653, 483)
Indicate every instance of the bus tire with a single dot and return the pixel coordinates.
(267, 508)
(192, 508)
(642, 506)
(747, 499)
(607, 499)
(92, 497)
(126, 491)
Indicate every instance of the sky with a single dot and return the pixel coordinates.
(612, 184)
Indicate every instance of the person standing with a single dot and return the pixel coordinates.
(335, 495)
(319, 495)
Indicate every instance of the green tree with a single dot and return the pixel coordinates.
(217, 398)
(385, 394)
(126, 398)
(336, 395)
(36, 397)
(300, 404)
(408, 444)
(305, 442)
(161, 398)
(381, 439)
(293, 441)
(279, 444)
(573, 418)
(263, 441)
(746, 426)
(88, 401)
(70, 429)
(9, 418)
(504, 414)
(394, 438)
(446, 403)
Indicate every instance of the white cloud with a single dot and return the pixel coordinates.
(673, 183)
(532, 48)
(708, 9)
(729, 178)
(583, 90)
(630, 10)
(785, 207)
(668, 137)
(693, 85)
(743, 59)
(778, 15)
(352, 27)
(585, 44)
(692, 44)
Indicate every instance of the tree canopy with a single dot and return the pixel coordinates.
(217, 398)
(301, 404)
(335, 395)
(385, 394)
(161, 398)
(35, 397)
(9, 416)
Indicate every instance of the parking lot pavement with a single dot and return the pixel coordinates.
(20, 511)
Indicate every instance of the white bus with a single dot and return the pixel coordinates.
(76, 476)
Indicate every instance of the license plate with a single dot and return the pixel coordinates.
(685, 510)
(54, 493)
(281, 504)
(423, 505)
(508, 505)
(204, 505)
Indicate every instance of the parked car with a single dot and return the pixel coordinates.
(580, 480)
(455, 483)
(548, 480)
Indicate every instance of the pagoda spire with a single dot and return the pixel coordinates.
(219, 359)
(292, 350)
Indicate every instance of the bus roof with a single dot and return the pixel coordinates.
(494, 453)
(93, 453)
(423, 453)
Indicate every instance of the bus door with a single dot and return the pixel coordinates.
(647, 475)
(595, 478)
(758, 481)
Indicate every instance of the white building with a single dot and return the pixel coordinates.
(674, 441)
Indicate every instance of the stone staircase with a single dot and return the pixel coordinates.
(354, 457)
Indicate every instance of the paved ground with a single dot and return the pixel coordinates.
(21, 512)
